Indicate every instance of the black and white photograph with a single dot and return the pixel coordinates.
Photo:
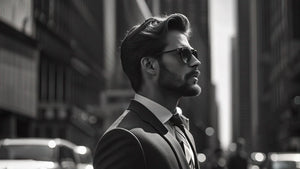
(149, 84)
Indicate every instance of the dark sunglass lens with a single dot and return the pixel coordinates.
(186, 55)
(194, 52)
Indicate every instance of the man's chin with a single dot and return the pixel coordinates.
(184, 90)
(194, 90)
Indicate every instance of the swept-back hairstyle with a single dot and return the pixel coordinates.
(146, 40)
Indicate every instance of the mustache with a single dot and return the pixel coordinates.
(194, 73)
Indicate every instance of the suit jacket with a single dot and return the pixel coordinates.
(138, 140)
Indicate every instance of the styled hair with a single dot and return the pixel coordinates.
(146, 40)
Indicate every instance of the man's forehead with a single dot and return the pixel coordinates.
(176, 39)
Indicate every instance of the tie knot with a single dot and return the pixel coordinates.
(176, 120)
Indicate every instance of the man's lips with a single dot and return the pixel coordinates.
(195, 73)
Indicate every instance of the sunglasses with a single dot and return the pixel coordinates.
(185, 53)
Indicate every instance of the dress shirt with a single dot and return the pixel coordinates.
(162, 113)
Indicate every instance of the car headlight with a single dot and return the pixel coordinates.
(48, 165)
(89, 167)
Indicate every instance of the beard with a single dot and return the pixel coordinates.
(172, 82)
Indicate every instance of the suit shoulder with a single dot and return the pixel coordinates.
(114, 148)
(128, 120)
(122, 133)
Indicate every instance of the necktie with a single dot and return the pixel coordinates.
(182, 139)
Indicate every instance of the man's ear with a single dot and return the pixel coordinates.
(149, 65)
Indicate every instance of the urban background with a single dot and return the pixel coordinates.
(60, 72)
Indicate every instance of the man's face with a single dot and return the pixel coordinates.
(176, 76)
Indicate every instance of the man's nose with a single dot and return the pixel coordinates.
(195, 62)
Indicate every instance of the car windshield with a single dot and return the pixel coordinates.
(33, 152)
(284, 165)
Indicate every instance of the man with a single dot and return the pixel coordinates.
(162, 67)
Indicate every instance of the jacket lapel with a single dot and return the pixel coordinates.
(147, 116)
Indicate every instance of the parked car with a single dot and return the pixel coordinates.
(283, 161)
(38, 153)
(275, 160)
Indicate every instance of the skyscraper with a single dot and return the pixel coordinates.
(268, 52)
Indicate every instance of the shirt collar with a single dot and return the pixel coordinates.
(184, 119)
(162, 113)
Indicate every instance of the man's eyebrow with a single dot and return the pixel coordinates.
(186, 46)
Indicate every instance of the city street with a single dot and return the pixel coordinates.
(62, 83)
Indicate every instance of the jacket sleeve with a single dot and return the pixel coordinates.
(119, 149)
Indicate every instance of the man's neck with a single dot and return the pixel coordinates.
(163, 98)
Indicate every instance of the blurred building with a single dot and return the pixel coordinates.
(19, 59)
(51, 69)
(71, 66)
(235, 89)
(268, 75)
